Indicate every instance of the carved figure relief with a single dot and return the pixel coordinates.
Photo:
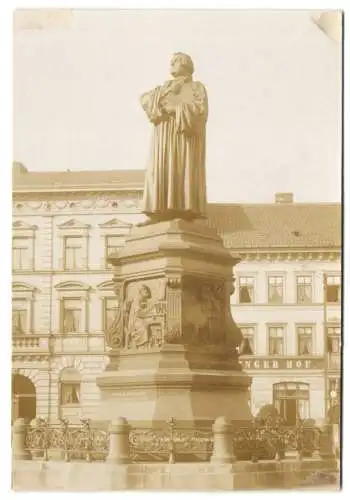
(144, 316)
(204, 315)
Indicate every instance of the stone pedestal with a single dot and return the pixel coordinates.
(173, 343)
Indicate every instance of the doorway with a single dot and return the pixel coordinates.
(292, 401)
(23, 398)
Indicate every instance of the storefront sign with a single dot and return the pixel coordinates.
(282, 363)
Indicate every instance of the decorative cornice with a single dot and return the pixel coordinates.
(22, 287)
(128, 201)
(23, 226)
(72, 285)
(73, 224)
(297, 255)
(115, 223)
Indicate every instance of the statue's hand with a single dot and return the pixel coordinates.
(167, 108)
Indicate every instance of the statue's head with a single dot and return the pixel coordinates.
(181, 65)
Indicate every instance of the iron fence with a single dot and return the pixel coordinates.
(66, 441)
(261, 441)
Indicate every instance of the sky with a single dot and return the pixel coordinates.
(273, 81)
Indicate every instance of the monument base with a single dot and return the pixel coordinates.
(97, 476)
(173, 344)
(194, 386)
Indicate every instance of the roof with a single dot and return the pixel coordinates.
(242, 226)
(24, 181)
(294, 225)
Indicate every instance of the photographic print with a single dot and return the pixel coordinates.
(176, 250)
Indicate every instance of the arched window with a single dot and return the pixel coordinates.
(292, 401)
(70, 381)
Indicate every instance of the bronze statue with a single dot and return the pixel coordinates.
(175, 185)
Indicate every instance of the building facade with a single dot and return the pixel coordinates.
(287, 298)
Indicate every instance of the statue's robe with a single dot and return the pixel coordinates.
(175, 182)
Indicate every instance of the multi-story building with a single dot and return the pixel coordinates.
(287, 300)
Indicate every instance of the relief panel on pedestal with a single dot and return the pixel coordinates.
(175, 310)
(140, 315)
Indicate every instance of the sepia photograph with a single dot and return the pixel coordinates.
(177, 232)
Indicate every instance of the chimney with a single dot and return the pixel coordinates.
(18, 168)
(284, 198)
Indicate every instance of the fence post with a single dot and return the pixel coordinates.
(119, 447)
(19, 451)
(336, 440)
(326, 444)
(223, 452)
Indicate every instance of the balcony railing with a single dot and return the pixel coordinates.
(59, 343)
(30, 343)
(78, 343)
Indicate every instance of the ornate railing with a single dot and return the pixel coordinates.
(171, 443)
(70, 442)
(274, 441)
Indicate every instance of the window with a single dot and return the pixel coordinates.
(20, 254)
(73, 252)
(334, 339)
(334, 388)
(246, 290)
(70, 381)
(23, 245)
(71, 315)
(111, 309)
(292, 401)
(247, 346)
(113, 244)
(276, 340)
(333, 289)
(275, 289)
(304, 289)
(23, 296)
(305, 340)
(19, 317)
